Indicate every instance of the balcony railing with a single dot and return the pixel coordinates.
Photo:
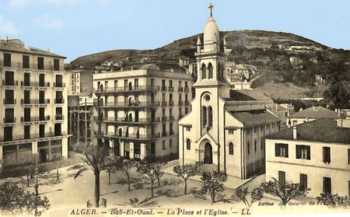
(9, 83)
(129, 105)
(187, 102)
(181, 89)
(59, 117)
(170, 89)
(44, 118)
(59, 101)
(164, 118)
(59, 84)
(110, 90)
(9, 101)
(9, 120)
(132, 122)
(171, 103)
(171, 118)
(133, 136)
(164, 103)
(42, 101)
(187, 89)
(43, 84)
(163, 88)
(181, 102)
(27, 84)
(29, 120)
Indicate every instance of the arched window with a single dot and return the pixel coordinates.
(204, 116)
(188, 144)
(120, 132)
(204, 71)
(127, 132)
(130, 101)
(130, 86)
(230, 148)
(210, 71)
(130, 117)
(210, 117)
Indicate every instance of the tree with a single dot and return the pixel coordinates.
(212, 183)
(149, 174)
(158, 171)
(94, 159)
(14, 199)
(125, 165)
(255, 195)
(284, 191)
(185, 172)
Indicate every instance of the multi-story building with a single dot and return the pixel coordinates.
(311, 114)
(222, 130)
(33, 105)
(142, 108)
(315, 154)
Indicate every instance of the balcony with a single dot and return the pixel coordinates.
(9, 120)
(163, 88)
(27, 84)
(59, 84)
(181, 89)
(171, 103)
(129, 105)
(42, 102)
(9, 83)
(29, 120)
(140, 121)
(59, 117)
(121, 90)
(27, 102)
(187, 89)
(164, 118)
(170, 89)
(187, 102)
(164, 103)
(181, 103)
(59, 101)
(44, 118)
(133, 137)
(171, 118)
(43, 84)
(9, 101)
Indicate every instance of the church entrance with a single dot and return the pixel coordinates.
(208, 154)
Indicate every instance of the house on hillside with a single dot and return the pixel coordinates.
(311, 114)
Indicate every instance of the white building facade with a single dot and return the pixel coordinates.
(33, 104)
(222, 133)
(141, 110)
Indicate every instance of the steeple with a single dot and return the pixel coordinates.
(211, 33)
(211, 6)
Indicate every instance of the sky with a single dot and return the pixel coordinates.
(73, 28)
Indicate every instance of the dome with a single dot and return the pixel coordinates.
(211, 30)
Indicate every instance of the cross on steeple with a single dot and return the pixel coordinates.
(211, 6)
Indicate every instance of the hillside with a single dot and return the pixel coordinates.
(282, 60)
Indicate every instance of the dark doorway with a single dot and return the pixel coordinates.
(43, 155)
(208, 154)
(327, 185)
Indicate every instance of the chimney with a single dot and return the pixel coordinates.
(295, 133)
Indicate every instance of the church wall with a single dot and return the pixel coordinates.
(234, 161)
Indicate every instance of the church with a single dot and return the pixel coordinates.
(223, 130)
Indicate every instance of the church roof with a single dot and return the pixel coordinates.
(315, 112)
(250, 119)
(322, 130)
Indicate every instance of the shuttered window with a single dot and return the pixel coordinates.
(326, 154)
(303, 152)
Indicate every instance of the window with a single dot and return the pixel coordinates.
(41, 63)
(348, 188)
(59, 81)
(26, 96)
(163, 129)
(210, 71)
(27, 132)
(152, 82)
(163, 145)
(230, 148)
(204, 71)
(25, 61)
(41, 80)
(303, 182)
(42, 114)
(326, 154)
(7, 59)
(210, 117)
(303, 152)
(248, 146)
(188, 144)
(282, 177)
(56, 64)
(26, 80)
(231, 132)
(204, 116)
(170, 83)
(42, 130)
(348, 156)
(281, 150)
(254, 145)
(9, 115)
(163, 85)
(42, 97)
(136, 83)
(9, 78)
(58, 131)
(327, 185)
(9, 97)
(59, 115)
(170, 143)
(7, 134)
(171, 128)
(59, 97)
(26, 114)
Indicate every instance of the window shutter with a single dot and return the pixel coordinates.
(276, 150)
(298, 153)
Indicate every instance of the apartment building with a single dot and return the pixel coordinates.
(33, 104)
(141, 109)
(295, 154)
